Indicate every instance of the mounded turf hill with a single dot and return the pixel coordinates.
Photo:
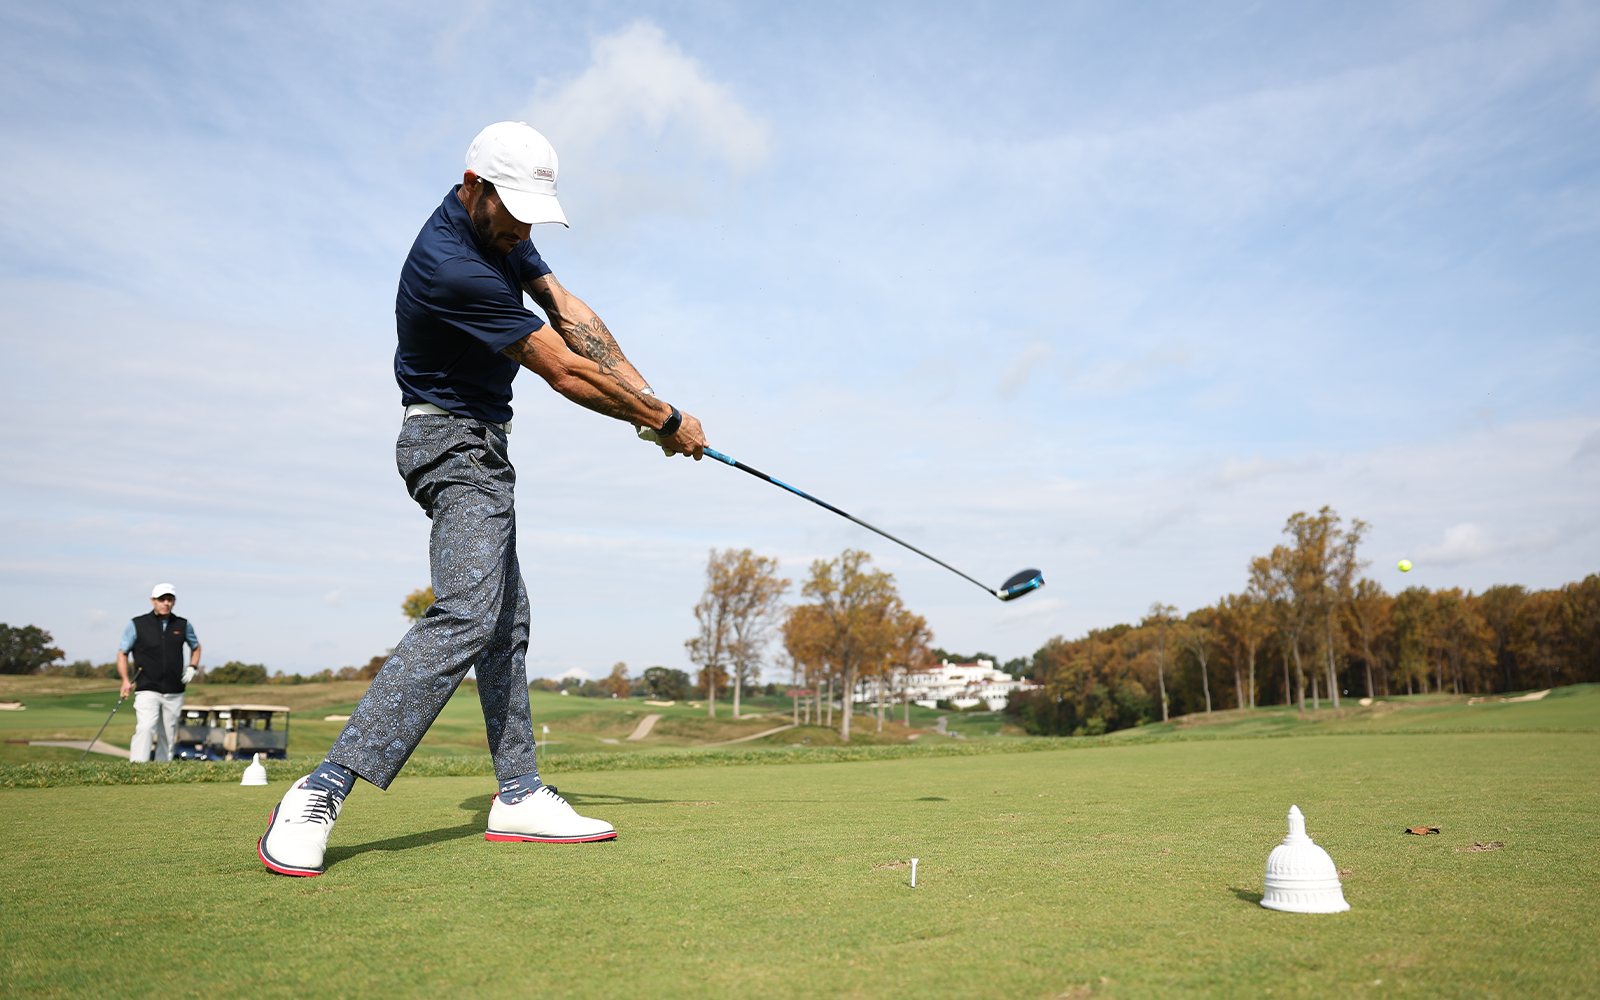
(1128, 868)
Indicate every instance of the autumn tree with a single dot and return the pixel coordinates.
(617, 684)
(911, 638)
(1368, 612)
(417, 603)
(1302, 582)
(1243, 625)
(854, 620)
(1499, 606)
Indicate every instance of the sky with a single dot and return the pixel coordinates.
(1110, 290)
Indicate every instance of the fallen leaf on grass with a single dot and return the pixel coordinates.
(1479, 845)
(1422, 831)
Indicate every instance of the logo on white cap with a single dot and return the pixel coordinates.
(522, 166)
(163, 588)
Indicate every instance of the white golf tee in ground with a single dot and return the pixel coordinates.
(913, 873)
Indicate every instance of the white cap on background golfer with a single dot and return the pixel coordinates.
(162, 589)
(522, 166)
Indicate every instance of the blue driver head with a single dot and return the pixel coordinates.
(1025, 582)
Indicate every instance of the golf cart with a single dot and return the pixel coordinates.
(231, 732)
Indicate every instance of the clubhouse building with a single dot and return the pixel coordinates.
(964, 685)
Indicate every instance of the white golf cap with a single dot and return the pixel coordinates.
(522, 166)
(163, 588)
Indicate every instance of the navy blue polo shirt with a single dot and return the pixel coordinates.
(458, 307)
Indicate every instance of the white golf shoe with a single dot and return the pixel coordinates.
(546, 818)
(297, 831)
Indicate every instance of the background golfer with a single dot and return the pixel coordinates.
(463, 333)
(156, 642)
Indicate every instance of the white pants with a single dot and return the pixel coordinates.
(154, 712)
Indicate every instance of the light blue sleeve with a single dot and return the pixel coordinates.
(189, 636)
(129, 634)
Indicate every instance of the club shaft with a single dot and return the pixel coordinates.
(103, 726)
(719, 456)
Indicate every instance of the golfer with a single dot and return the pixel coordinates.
(463, 334)
(155, 641)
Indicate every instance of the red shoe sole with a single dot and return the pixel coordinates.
(275, 866)
(529, 838)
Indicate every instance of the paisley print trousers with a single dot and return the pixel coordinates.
(457, 470)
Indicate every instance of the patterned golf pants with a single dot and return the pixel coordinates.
(458, 472)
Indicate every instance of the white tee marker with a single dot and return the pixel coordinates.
(913, 873)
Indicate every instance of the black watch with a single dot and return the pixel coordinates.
(671, 426)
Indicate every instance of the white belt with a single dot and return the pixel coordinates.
(429, 410)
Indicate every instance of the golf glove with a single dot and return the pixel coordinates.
(189, 672)
(649, 433)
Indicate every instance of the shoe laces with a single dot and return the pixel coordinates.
(555, 795)
(321, 807)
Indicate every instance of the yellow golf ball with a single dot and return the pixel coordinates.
(1405, 565)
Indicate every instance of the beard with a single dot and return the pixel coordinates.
(483, 225)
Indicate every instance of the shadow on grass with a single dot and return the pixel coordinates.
(1248, 896)
(600, 799)
(406, 842)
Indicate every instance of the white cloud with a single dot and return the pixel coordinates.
(576, 674)
(645, 127)
(1462, 543)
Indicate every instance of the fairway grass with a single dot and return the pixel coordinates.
(1121, 871)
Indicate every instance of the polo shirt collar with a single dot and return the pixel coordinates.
(461, 222)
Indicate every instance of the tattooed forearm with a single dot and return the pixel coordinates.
(522, 352)
(587, 382)
(614, 386)
(593, 340)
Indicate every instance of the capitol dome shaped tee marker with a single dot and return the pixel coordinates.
(1301, 877)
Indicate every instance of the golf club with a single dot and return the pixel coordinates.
(1019, 584)
(103, 725)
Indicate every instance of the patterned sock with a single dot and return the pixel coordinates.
(514, 790)
(335, 778)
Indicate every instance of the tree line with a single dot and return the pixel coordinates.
(1308, 627)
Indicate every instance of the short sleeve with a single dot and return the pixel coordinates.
(527, 263)
(472, 298)
(129, 634)
(189, 636)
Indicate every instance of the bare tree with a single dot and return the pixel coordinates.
(736, 614)
(1159, 620)
(1198, 633)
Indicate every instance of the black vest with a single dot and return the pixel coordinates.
(158, 653)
